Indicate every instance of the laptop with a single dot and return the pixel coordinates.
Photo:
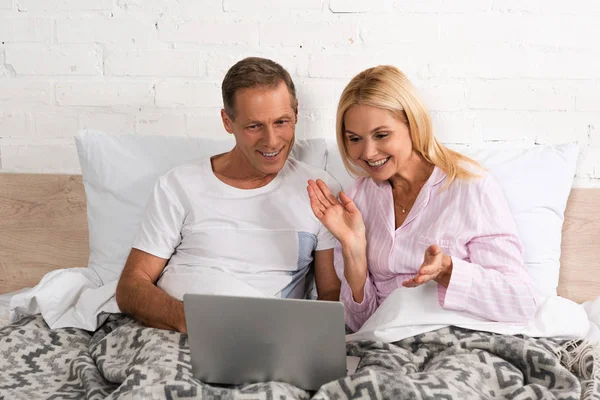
(239, 340)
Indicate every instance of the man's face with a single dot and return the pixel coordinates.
(263, 127)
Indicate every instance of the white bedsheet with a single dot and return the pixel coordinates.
(409, 312)
(5, 306)
(74, 298)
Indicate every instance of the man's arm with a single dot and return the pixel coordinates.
(138, 295)
(328, 284)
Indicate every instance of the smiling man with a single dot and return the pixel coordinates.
(244, 213)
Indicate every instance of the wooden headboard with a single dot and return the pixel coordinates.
(43, 226)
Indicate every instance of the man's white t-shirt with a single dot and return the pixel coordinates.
(264, 237)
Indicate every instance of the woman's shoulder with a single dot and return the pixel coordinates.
(473, 168)
(479, 183)
(361, 185)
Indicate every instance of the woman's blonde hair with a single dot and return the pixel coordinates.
(386, 87)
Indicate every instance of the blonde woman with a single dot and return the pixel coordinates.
(420, 212)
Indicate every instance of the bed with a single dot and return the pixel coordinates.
(43, 227)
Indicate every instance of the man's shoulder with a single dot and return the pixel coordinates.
(302, 167)
(190, 170)
(179, 178)
(306, 171)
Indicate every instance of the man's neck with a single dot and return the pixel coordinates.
(234, 170)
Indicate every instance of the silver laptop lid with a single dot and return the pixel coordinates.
(237, 340)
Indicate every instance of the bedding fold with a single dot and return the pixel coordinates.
(409, 312)
(77, 298)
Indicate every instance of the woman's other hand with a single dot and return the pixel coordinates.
(436, 266)
(341, 217)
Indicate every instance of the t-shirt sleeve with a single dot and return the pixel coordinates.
(325, 240)
(159, 233)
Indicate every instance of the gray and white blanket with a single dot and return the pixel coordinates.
(126, 360)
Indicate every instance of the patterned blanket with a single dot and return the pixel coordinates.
(126, 360)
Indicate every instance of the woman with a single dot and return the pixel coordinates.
(416, 197)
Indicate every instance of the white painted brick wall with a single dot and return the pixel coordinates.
(63, 5)
(156, 122)
(492, 72)
(382, 30)
(104, 94)
(159, 63)
(456, 127)
(55, 60)
(24, 30)
(333, 33)
(171, 8)
(518, 95)
(587, 98)
(188, 94)
(25, 94)
(205, 122)
(518, 6)
(15, 125)
(360, 6)
(245, 6)
(443, 6)
(106, 30)
(109, 122)
(210, 32)
(56, 124)
(573, 7)
(219, 61)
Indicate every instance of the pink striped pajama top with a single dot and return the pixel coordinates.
(470, 221)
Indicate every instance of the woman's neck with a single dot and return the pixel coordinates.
(413, 176)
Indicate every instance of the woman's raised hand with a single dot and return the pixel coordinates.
(341, 217)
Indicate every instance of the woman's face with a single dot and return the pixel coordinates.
(377, 141)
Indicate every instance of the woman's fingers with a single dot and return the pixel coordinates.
(348, 203)
(428, 271)
(418, 280)
(315, 204)
(320, 195)
(410, 282)
(422, 278)
(329, 197)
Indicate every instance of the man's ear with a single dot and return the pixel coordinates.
(227, 123)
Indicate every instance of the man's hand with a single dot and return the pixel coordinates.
(436, 266)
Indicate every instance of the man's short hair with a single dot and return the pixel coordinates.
(254, 72)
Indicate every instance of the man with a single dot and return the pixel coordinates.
(244, 213)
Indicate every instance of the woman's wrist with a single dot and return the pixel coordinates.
(354, 247)
(354, 252)
(358, 293)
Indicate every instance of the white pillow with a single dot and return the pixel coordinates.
(536, 182)
(119, 173)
